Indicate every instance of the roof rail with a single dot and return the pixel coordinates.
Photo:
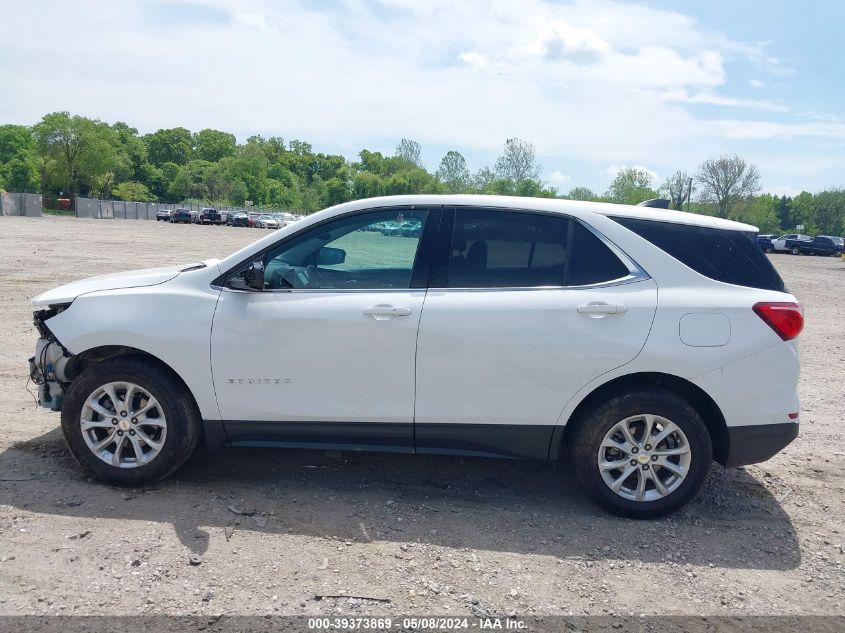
(657, 203)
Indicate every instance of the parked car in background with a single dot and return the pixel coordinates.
(195, 216)
(512, 327)
(410, 228)
(163, 214)
(181, 216)
(283, 219)
(765, 243)
(375, 227)
(819, 245)
(266, 221)
(252, 220)
(391, 227)
(210, 216)
(237, 219)
(780, 243)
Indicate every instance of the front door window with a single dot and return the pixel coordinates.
(368, 251)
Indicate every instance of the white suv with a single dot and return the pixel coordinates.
(636, 345)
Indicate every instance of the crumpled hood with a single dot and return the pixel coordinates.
(112, 281)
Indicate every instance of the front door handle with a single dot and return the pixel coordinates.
(384, 311)
(600, 308)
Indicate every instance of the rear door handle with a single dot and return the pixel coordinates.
(600, 307)
(384, 311)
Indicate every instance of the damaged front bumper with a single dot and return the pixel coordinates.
(48, 368)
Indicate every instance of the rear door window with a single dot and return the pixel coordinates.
(490, 248)
(732, 257)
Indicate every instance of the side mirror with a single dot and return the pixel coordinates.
(250, 278)
(331, 256)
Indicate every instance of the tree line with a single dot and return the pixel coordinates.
(68, 155)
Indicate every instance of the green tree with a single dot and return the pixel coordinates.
(18, 159)
(409, 151)
(631, 185)
(81, 151)
(338, 191)
(20, 175)
(453, 172)
(482, 181)
(784, 211)
(132, 191)
(676, 187)
(582, 193)
(190, 181)
(761, 212)
(212, 145)
(518, 161)
(804, 213)
(272, 147)
(15, 140)
(726, 180)
(830, 211)
(172, 145)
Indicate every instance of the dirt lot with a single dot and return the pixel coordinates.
(421, 534)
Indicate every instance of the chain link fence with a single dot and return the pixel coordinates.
(122, 210)
(27, 204)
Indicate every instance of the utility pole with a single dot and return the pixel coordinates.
(689, 193)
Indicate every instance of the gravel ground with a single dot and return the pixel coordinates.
(309, 532)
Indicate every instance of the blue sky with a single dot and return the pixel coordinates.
(594, 85)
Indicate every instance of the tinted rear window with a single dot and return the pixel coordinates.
(732, 257)
(513, 249)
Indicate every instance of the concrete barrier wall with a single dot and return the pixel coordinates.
(122, 210)
(28, 204)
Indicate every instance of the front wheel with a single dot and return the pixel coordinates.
(641, 454)
(129, 422)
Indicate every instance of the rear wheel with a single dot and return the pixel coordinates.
(796, 250)
(129, 422)
(641, 454)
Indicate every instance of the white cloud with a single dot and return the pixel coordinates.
(756, 83)
(476, 60)
(254, 20)
(709, 98)
(827, 117)
(558, 40)
(558, 178)
(769, 130)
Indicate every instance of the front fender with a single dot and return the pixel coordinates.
(171, 322)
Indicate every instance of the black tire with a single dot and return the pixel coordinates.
(770, 250)
(183, 419)
(591, 427)
(796, 250)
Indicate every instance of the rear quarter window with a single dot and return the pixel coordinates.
(732, 257)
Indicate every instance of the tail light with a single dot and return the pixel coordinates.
(785, 318)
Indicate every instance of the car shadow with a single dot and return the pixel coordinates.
(457, 502)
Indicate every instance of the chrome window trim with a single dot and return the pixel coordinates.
(636, 273)
(326, 290)
(621, 281)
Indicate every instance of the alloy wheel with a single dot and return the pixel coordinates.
(123, 424)
(644, 457)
